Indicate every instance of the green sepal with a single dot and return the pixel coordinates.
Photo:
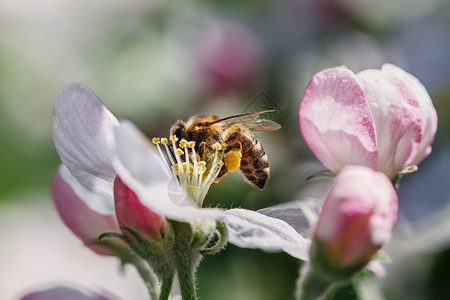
(119, 244)
(222, 239)
(396, 178)
(202, 232)
(324, 266)
(321, 174)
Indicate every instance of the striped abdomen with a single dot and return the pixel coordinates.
(254, 161)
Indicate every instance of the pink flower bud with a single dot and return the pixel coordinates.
(383, 119)
(131, 213)
(230, 58)
(356, 220)
(85, 223)
(63, 293)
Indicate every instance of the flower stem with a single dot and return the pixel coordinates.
(166, 287)
(312, 286)
(128, 255)
(151, 282)
(186, 278)
(186, 259)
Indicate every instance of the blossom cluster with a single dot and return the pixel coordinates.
(368, 128)
(118, 191)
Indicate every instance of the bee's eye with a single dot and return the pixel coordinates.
(179, 133)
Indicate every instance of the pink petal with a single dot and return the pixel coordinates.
(403, 113)
(358, 215)
(336, 122)
(63, 293)
(131, 213)
(429, 115)
(80, 125)
(78, 217)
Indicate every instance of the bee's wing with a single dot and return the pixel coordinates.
(262, 125)
(250, 120)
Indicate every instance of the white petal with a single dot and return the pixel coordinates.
(138, 164)
(295, 213)
(250, 229)
(80, 126)
(99, 198)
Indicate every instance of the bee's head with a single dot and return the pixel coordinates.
(179, 130)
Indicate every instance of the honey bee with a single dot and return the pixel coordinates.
(241, 144)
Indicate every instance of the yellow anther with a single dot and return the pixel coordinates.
(233, 160)
(201, 167)
(164, 141)
(173, 138)
(217, 146)
(196, 156)
(180, 152)
(183, 143)
(224, 146)
(155, 140)
(220, 164)
(190, 144)
(175, 169)
(185, 168)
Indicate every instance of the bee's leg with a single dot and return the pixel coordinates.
(222, 174)
(205, 151)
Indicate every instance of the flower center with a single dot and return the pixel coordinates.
(194, 174)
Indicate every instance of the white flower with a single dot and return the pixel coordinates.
(96, 148)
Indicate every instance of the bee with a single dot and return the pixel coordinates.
(242, 151)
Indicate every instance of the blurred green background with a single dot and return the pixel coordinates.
(158, 61)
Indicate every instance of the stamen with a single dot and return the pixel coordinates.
(155, 140)
(195, 174)
(183, 143)
(201, 167)
(185, 168)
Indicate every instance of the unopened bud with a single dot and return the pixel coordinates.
(356, 220)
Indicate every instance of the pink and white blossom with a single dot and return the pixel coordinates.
(65, 293)
(357, 217)
(96, 148)
(84, 222)
(383, 119)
